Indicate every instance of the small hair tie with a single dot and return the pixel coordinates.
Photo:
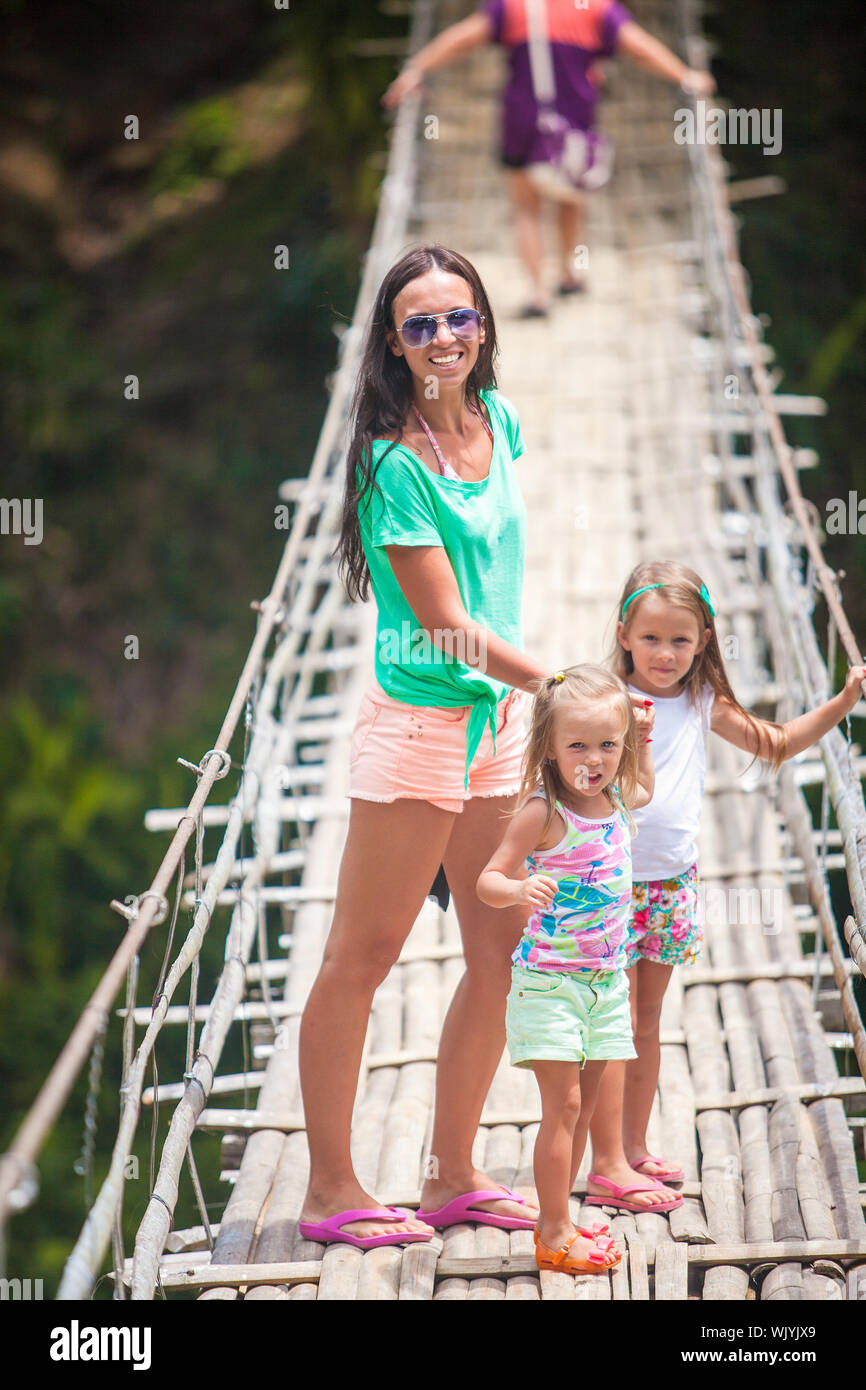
(558, 676)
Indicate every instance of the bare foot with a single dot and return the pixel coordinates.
(319, 1206)
(624, 1176)
(437, 1192)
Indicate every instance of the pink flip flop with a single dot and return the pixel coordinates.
(618, 1197)
(463, 1209)
(330, 1232)
(674, 1174)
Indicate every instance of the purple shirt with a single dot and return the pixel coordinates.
(578, 36)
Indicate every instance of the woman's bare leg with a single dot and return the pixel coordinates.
(526, 203)
(474, 1028)
(391, 855)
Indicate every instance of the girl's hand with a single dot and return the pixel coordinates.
(404, 84)
(852, 691)
(537, 891)
(645, 718)
(698, 83)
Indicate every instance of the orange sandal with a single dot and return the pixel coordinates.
(601, 1257)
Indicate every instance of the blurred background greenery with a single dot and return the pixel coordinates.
(155, 258)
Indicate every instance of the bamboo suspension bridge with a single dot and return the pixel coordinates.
(652, 428)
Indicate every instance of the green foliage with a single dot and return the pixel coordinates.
(206, 147)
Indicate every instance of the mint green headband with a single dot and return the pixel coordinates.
(703, 592)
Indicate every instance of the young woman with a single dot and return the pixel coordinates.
(580, 35)
(434, 523)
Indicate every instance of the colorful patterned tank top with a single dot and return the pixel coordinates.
(584, 928)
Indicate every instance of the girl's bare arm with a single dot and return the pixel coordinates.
(730, 724)
(503, 882)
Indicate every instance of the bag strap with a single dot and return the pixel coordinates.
(540, 55)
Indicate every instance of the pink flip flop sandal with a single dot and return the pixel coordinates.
(463, 1209)
(330, 1232)
(674, 1174)
(619, 1196)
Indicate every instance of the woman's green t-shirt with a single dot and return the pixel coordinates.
(482, 527)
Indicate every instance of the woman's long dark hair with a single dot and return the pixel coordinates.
(383, 395)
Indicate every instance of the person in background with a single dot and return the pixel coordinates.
(580, 35)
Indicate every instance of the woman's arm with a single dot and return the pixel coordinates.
(429, 585)
(498, 884)
(653, 55)
(799, 733)
(438, 53)
(430, 588)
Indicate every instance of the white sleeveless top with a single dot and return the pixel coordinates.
(667, 829)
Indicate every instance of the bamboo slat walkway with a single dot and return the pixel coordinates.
(616, 405)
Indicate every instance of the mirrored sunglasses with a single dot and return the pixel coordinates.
(421, 329)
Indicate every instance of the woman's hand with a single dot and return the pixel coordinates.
(405, 83)
(537, 891)
(852, 692)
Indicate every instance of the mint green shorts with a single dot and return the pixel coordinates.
(553, 1016)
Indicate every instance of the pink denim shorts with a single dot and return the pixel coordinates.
(419, 751)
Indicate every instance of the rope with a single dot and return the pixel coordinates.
(83, 1165)
(825, 817)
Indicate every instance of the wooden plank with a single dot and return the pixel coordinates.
(783, 1284)
(739, 1254)
(743, 974)
(248, 1121)
(418, 1271)
(191, 1277)
(489, 1241)
(671, 1271)
(277, 1238)
(339, 1277)
(738, 1100)
(823, 1287)
(380, 1276)
(556, 1287)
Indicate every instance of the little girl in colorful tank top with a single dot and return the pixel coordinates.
(667, 649)
(587, 765)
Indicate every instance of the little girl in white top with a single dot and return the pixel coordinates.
(667, 649)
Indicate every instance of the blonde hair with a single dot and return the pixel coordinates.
(582, 684)
(683, 589)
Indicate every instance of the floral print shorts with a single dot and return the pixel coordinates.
(665, 924)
